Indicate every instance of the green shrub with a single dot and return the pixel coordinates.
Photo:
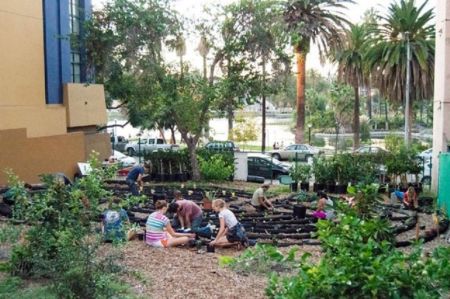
(300, 172)
(61, 241)
(215, 169)
(262, 259)
(360, 261)
(365, 131)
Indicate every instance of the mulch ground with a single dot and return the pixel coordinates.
(183, 273)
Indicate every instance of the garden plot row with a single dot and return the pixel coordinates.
(281, 228)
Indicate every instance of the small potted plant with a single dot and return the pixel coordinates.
(207, 200)
(320, 174)
(301, 173)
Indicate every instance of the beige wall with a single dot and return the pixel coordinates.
(22, 74)
(85, 104)
(33, 135)
(29, 157)
(441, 105)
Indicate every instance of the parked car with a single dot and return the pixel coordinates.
(124, 160)
(148, 144)
(426, 158)
(265, 166)
(222, 146)
(367, 149)
(296, 151)
(118, 143)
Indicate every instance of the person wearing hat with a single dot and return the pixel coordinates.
(259, 199)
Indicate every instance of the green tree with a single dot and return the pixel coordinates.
(319, 22)
(351, 64)
(341, 103)
(257, 28)
(245, 129)
(405, 23)
(124, 40)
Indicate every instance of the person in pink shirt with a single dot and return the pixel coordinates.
(189, 215)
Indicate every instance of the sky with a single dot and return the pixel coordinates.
(194, 9)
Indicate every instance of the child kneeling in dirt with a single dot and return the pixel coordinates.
(114, 221)
(230, 231)
(159, 231)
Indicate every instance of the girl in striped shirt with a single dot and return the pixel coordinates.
(159, 232)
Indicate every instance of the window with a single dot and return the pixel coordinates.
(75, 25)
(159, 141)
(290, 148)
(151, 141)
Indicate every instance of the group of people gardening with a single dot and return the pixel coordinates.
(188, 216)
(186, 224)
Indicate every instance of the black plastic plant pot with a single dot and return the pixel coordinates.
(382, 189)
(210, 248)
(294, 187)
(318, 187)
(341, 189)
(304, 186)
(331, 187)
(299, 211)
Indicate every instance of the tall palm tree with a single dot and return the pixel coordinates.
(388, 56)
(350, 59)
(317, 21)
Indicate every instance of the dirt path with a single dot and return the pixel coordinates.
(182, 273)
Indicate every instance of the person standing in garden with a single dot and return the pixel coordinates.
(134, 178)
(259, 199)
(189, 215)
(159, 232)
(230, 231)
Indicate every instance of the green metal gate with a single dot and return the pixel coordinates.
(444, 183)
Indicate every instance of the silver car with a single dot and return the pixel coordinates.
(296, 151)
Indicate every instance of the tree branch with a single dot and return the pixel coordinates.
(113, 126)
(117, 107)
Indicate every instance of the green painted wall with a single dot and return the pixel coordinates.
(444, 182)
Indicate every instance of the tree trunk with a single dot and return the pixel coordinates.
(356, 118)
(369, 101)
(410, 123)
(263, 108)
(172, 132)
(205, 73)
(230, 117)
(191, 143)
(386, 123)
(301, 69)
(161, 133)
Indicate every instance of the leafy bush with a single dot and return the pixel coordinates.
(365, 131)
(261, 259)
(319, 142)
(300, 172)
(61, 243)
(215, 169)
(179, 162)
(360, 261)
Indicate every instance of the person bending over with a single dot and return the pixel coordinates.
(159, 232)
(259, 199)
(189, 215)
(134, 178)
(230, 231)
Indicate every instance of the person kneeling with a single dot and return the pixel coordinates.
(230, 231)
(259, 199)
(159, 232)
